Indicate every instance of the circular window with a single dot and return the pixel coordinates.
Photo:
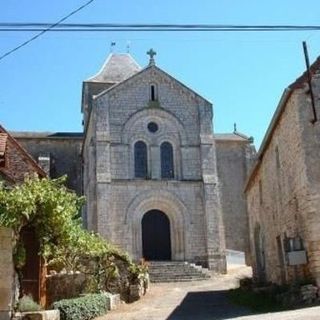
(153, 127)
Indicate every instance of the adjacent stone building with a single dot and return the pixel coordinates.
(15, 164)
(58, 153)
(283, 190)
(158, 182)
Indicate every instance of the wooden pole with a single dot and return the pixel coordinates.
(306, 56)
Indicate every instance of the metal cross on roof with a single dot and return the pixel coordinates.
(151, 53)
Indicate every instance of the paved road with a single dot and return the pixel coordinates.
(201, 300)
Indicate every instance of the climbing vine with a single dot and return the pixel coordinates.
(53, 212)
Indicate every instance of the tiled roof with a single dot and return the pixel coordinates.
(117, 68)
(3, 143)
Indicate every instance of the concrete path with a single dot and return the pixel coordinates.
(201, 300)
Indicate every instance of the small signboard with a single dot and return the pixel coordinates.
(297, 257)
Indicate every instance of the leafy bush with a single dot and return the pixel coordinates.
(257, 299)
(53, 211)
(26, 303)
(139, 272)
(84, 308)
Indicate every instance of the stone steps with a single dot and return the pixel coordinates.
(176, 271)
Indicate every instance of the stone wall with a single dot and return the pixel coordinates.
(234, 157)
(7, 278)
(121, 207)
(64, 286)
(71, 285)
(284, 196)
(310, 207)
(191, 200)
(18, 162)
(63, 150)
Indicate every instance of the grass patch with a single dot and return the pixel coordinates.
(257, 301)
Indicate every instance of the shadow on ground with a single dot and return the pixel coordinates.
(213, 305)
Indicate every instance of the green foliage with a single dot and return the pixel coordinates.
(139, 271)
(53, 211)
(26, 304)
(261, 301)
(46, 205)
(19, 255)
(84, 308)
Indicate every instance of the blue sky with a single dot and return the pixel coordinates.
(243, 74)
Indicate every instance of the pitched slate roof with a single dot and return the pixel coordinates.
(49, 135)
(117, 68)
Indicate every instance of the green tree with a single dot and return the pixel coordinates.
(53, 211)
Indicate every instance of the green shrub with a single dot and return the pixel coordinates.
(84, 308)
(26, 303)
(257, 301)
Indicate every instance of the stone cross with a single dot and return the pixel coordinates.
(151, 53)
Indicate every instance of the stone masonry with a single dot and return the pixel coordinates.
(203, 200)
(17, 162)
(7, 274)
(117, 201)
(283, 191)
(15, 165)
(61, 151)
(234, 159)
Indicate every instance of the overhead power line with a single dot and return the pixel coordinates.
(49, 27)
(94, 27)
(43, 27)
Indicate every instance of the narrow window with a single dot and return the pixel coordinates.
(167, 168)
(260, 193)
(153, 92)
(140, 160)
(277, 158)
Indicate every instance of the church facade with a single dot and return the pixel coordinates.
(158, 182)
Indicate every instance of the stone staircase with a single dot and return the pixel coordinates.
(176, 271)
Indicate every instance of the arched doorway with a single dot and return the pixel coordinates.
(156, 241)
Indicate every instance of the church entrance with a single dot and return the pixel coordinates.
(156, 242)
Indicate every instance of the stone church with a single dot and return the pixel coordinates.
(158, 182)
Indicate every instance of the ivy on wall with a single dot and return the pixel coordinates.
(53, 211)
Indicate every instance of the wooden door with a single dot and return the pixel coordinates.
(33, 272)
(156, 240)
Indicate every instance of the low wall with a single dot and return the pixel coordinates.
(64, 286)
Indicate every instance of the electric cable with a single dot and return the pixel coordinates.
(43, 31)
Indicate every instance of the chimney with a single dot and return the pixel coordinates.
(44, 162)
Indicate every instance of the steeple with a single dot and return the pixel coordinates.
(117, 68)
